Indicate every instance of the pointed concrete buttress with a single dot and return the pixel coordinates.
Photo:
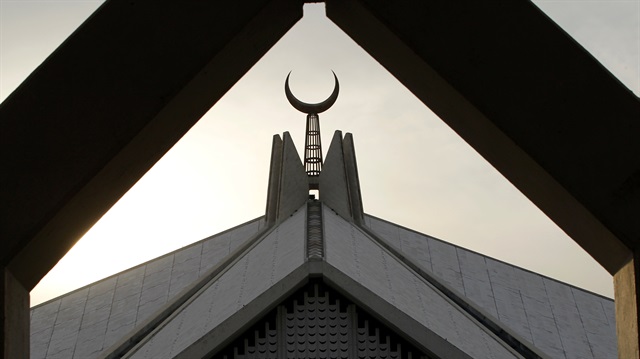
(288, 181)
(339, 183)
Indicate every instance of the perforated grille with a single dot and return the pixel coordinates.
(315, 247)
(312, 146)
(317, 322)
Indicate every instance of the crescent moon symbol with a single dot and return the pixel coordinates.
(315, 108)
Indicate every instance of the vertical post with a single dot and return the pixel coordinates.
(14, 298)
(627, 296)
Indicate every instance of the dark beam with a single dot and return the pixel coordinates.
(533, 103)
(528, 98)
(107, 104)
(14, 305)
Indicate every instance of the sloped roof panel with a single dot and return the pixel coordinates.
(536, 319)
(349, 250)
(575, 341)
(95, 319)
(508, 301)
(262, 266)
(476, 281)
(42, 321)
(561, 320)
(66, 325)
(595, 321)
(82, 323)
(124, 308)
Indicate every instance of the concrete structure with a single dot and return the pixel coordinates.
(529, 99)
(320, 279)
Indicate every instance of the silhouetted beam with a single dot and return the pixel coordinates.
(528, 98)
(107, 104)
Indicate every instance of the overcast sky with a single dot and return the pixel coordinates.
(414, 170)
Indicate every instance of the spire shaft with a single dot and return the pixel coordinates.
(313, 146)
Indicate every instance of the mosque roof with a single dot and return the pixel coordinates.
(444, 301)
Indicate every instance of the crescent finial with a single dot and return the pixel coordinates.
(309, 108)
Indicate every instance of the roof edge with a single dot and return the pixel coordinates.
(424, 338)
(130, 340)
(486, 256)
(218, 338)
(513, 340)
(147, 262)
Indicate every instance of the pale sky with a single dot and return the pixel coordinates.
(414, 170)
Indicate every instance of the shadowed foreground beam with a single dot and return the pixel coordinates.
(528, 98)
(107, 104)
(14, 302)
(533, 103)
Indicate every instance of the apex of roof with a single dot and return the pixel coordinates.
(445, 301)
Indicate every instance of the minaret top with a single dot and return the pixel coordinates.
(314, 108)
(312, 146)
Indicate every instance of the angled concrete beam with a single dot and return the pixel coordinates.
(275, 172)
(339, 182)
(351, 165)
(535, 105)
(288, 181)
(294, 182)
(107, 104)
(528, 98)
(334, 190)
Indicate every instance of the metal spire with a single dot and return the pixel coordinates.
(312, 143)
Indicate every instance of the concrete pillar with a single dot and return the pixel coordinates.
(288, 181)
(275, 172)
(334, 188)
(626, 287)
(339, 182)
(351, 166)
(294, 182)
(14, 299)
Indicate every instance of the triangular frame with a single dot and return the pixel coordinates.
(490, 87)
